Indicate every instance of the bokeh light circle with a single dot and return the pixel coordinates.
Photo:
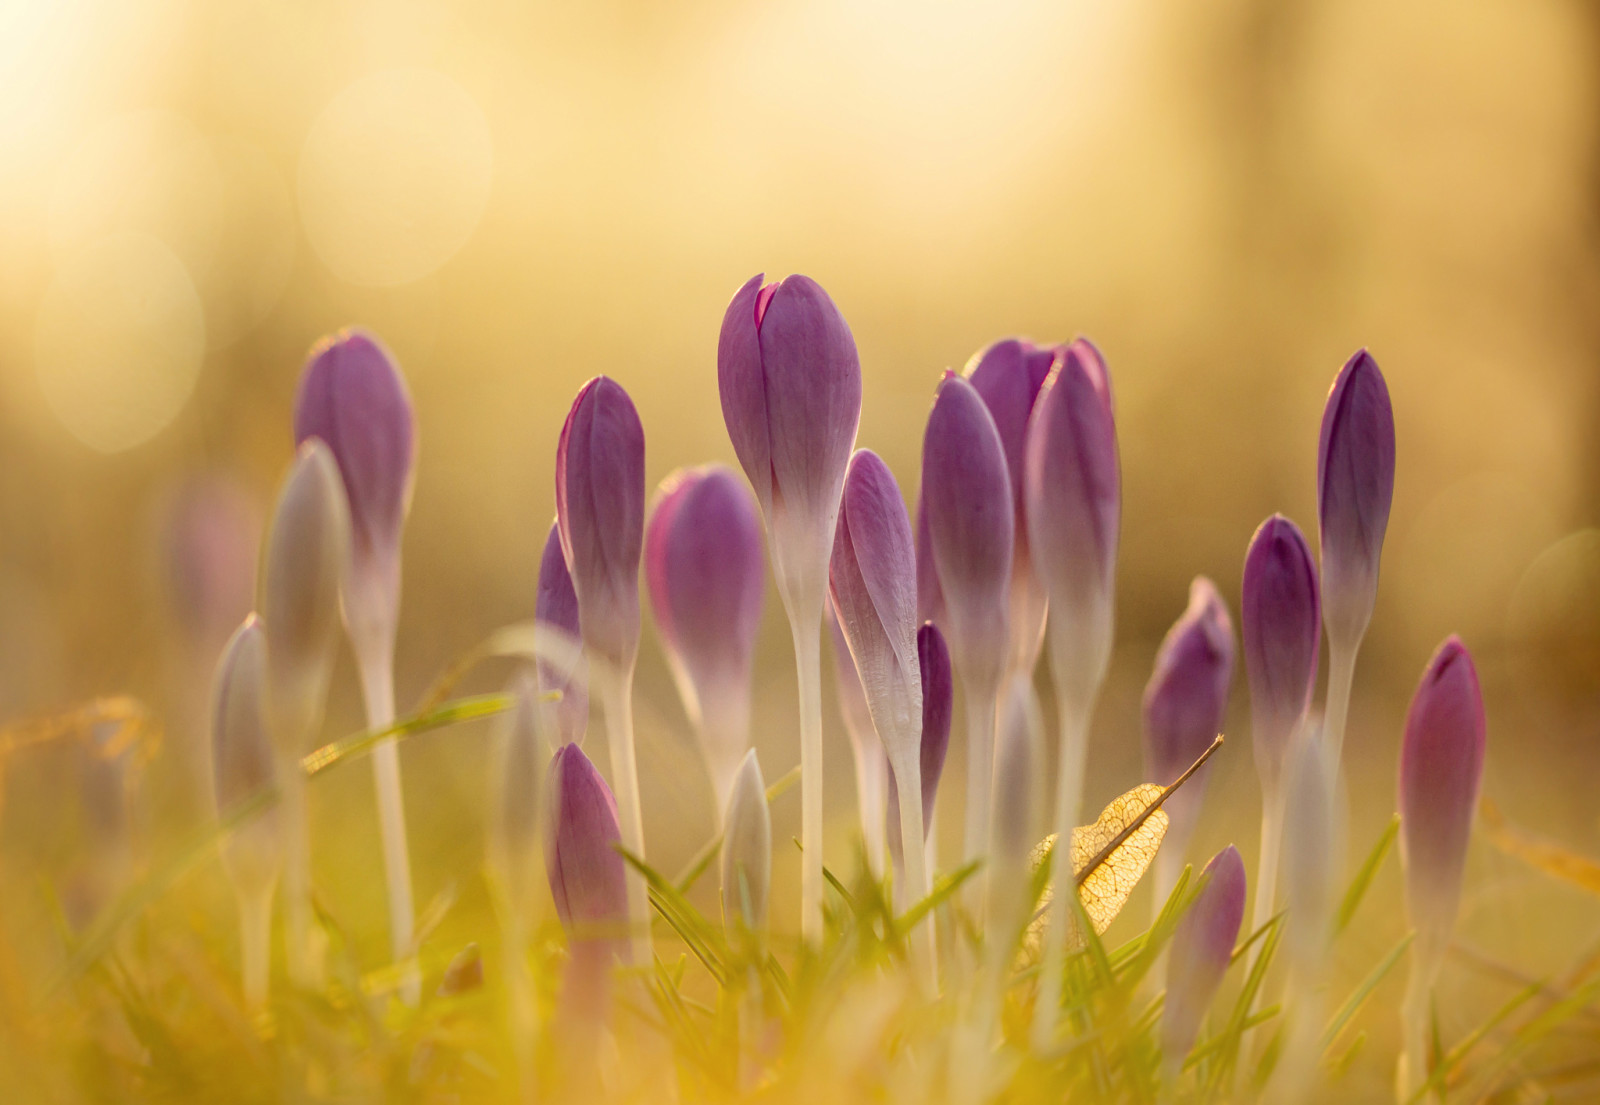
(119, 340)
(394, 176)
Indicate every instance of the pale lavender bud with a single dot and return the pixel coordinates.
(1281, 623)
(1184, 703)
(353, 397)
(938, 704)
(703, 565)
(872, 767)
(1202, 947)
(966, 491)
(746, 848)
(930, 596)
(1355, 486)
(587, 873)
(515, 781)
(305, 560)
(557, 606)
(1441, 767)
(242, 758)
(600, 511)
(1008, 375)
(1073, 492)
(210, 536)
(790, 382)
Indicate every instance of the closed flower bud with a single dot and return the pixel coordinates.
(1282, 627)
(242, 757)
(600, 510)
(966, 491)
(353, 398)
(1072, 486)
(1202, 947)
(872, 766)
(938, 703)
(557, 607)
(703, 565)
(1441, 767)
(1008, 375)
(210, 536)
(305, 559)
(515, 781)
(790, 382)
(587, 873)
(1355, 486)
(746, 849)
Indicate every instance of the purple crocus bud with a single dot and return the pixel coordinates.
(938, 704)
(210, 534)
(1184, 703)
(966, 492)
(703, 565)
(1072, 485)
(872, 766)
(1008, 375)
(587, 873)
(1355, 486)
(1202, 947)
(1441, 767)
(930, 596)
(1281, 625)
(600, 512)
(242, 758)
(557, 606)
(746, 849)
(353, 398)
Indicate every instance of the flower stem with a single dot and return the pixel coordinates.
(1341, 673)
(805, 622)
(981, 709)
(1069, 798)
(377, 685)
(255, 944)
(872, 799)
(1427, 956)
(616, 703)
(1266, 900)
(301, 948)
(908, 778)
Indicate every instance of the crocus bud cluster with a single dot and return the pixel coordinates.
(557, 607)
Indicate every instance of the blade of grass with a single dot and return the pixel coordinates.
(1363, 880)
(1358, 998)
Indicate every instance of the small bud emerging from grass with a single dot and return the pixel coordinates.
(1202, 946)
(585, 869)
(746, 850)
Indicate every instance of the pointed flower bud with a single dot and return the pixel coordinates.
(872, 766)
(515, 781)
(1202, 946)
(353, 398)
(1355, 486)
(242, 758)
(938, 704)
(1441, 767)
(1072, 484)
(1008, 375)
(746, 849)
(790, 381)
(1281, 625)
(557, 606)
(703, 565)
(587, 873)
(305, 559)
(600, 511)
(966, 491)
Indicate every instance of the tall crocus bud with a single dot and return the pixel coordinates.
(872, 766)
(600, 512)
(1441, 768)
(1202, 946)
(243, 767)
(1072, 491)
(966, 492)
(790, 382)
(1281, 626)
(1184, 703)
(557, 606)
(1009, 375)
(702, 552)
(581, 858)
(516, 770)
(938, 701)
(872, 583)
(746, 849)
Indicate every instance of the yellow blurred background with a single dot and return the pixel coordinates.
(1229, 198)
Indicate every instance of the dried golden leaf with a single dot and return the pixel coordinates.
(1537, 852)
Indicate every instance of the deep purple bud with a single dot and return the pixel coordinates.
(600, 512)
(1282, 625)
(703, 565)
(790, 382)
(1441, 767)
(966, 491)
(938, 704)
(930, 596)
(557, 606)
(242, 758)
(1202, 946)
(1008, 375)
(587, 873)
(1073, 492)
(353, 398)
(1355, 486)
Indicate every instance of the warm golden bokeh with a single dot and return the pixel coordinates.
(1228, 197)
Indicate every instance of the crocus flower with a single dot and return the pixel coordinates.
(585, 869)
(1184, 703)
(1202, 946)
(938, 701)
(515, 782)
(872, 766)
(557, 606)
(746, 849)
(1008, 375)
(703, 564)
(1281, 625)
(1355, 486)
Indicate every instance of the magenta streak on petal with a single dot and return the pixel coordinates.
(764, 297)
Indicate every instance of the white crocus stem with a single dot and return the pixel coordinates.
(1427, 956)
(255, 942)
(616, 705)
(377, 686)
(908, 785)
(302, 947)
(1341, 673)
(805, 622)
(1069, 799)
(1266, 900)
(872, 799)
(981, 711)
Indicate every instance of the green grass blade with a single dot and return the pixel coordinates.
(1357, 999)
(1363, 880)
